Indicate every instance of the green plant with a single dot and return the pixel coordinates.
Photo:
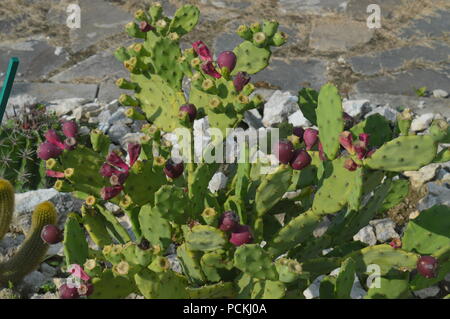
(248, 240)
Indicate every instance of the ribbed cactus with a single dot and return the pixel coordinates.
(33, 249)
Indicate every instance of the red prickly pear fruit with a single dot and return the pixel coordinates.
(322, 155)
(240, 80)
(227, 59)
(70, 129)
(202, 51)
(114, 159)
(285, 151)
(360, 149)
(350, 165)
(52, 137)
(173, 170)
(51, 234)
(396, 243)
(364, 137)
(107, 170)
(298, 131)
(300, 160)
(110, 192)
(427, 266)
(190, 109)
(144, 26)
(48, 150)
(70, 143)
(346, 140)
(229, 221)
(349, 121)
(54, 174)
(242, 235)
(310, 138)
(209, 69)
(134, 150)
(65, 292)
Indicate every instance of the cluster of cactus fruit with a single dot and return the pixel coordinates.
(19, 138)
(248, 240)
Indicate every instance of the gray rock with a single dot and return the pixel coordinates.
(226, 42)
(119, 117)
(253, 119)
(108, 91)
(99, 67)
(436, 195)
(279, 107)
(440, 93)
(175, 263)
(93, 28)
(217, 182)
(333, 35)
(37, 58)
(422, 122)
(366, 235)
(48, 270)
(322, 227)
(311, 6)
(117, 131)
(384, 229)
(65, 106)
(357, 9)
(385, 111)
(44, 92)
(292, 74)
(47, 295)
(427, 292)
(313, 291)
(423, 175)
(32, 282)
(10, 243)
(297, 119)
(434, 25)
(356, 108)
(404, 83)
(390, 60)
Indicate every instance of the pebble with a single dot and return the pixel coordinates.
(422, 122)
(440, 93)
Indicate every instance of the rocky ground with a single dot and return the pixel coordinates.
(378, 71)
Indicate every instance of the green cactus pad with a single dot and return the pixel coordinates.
(184, 20)
(171, 203)
(155, 228)
(345, 279)
(429, 232)
(217, 291)
(109, 286)
(250, 58)
(339, 188)
(190, 261)
(252, 259)
(398, 191)
(308, 101)
(75, 244)
(394, 286)
(330, 119)
(405, 153)
(272, 188)
(205, 238)
(95, 225)
(161, 285)
(288, 270)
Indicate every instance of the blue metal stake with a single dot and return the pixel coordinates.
(7, 85)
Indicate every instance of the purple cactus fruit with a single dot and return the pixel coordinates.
(70, 129)
(227, 59)
(65, 292)
(427, 266)
(241, 235)
(48, 150)
(360, 149)
(107, 170)
(173, 170)
(52, 137)
(111, 191)
(364, 137)
(300, 160)
(284, 151)
(229, 221)
(144, 26)
(190, 109)
(51, 234)
(346, 140)
(348, 121)
(202, 51)
(310, 138)
(134, 150)
(54, 174)
(240, 80)
(209, 69)
(350, 165)
(298, 131)
(114, 159)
